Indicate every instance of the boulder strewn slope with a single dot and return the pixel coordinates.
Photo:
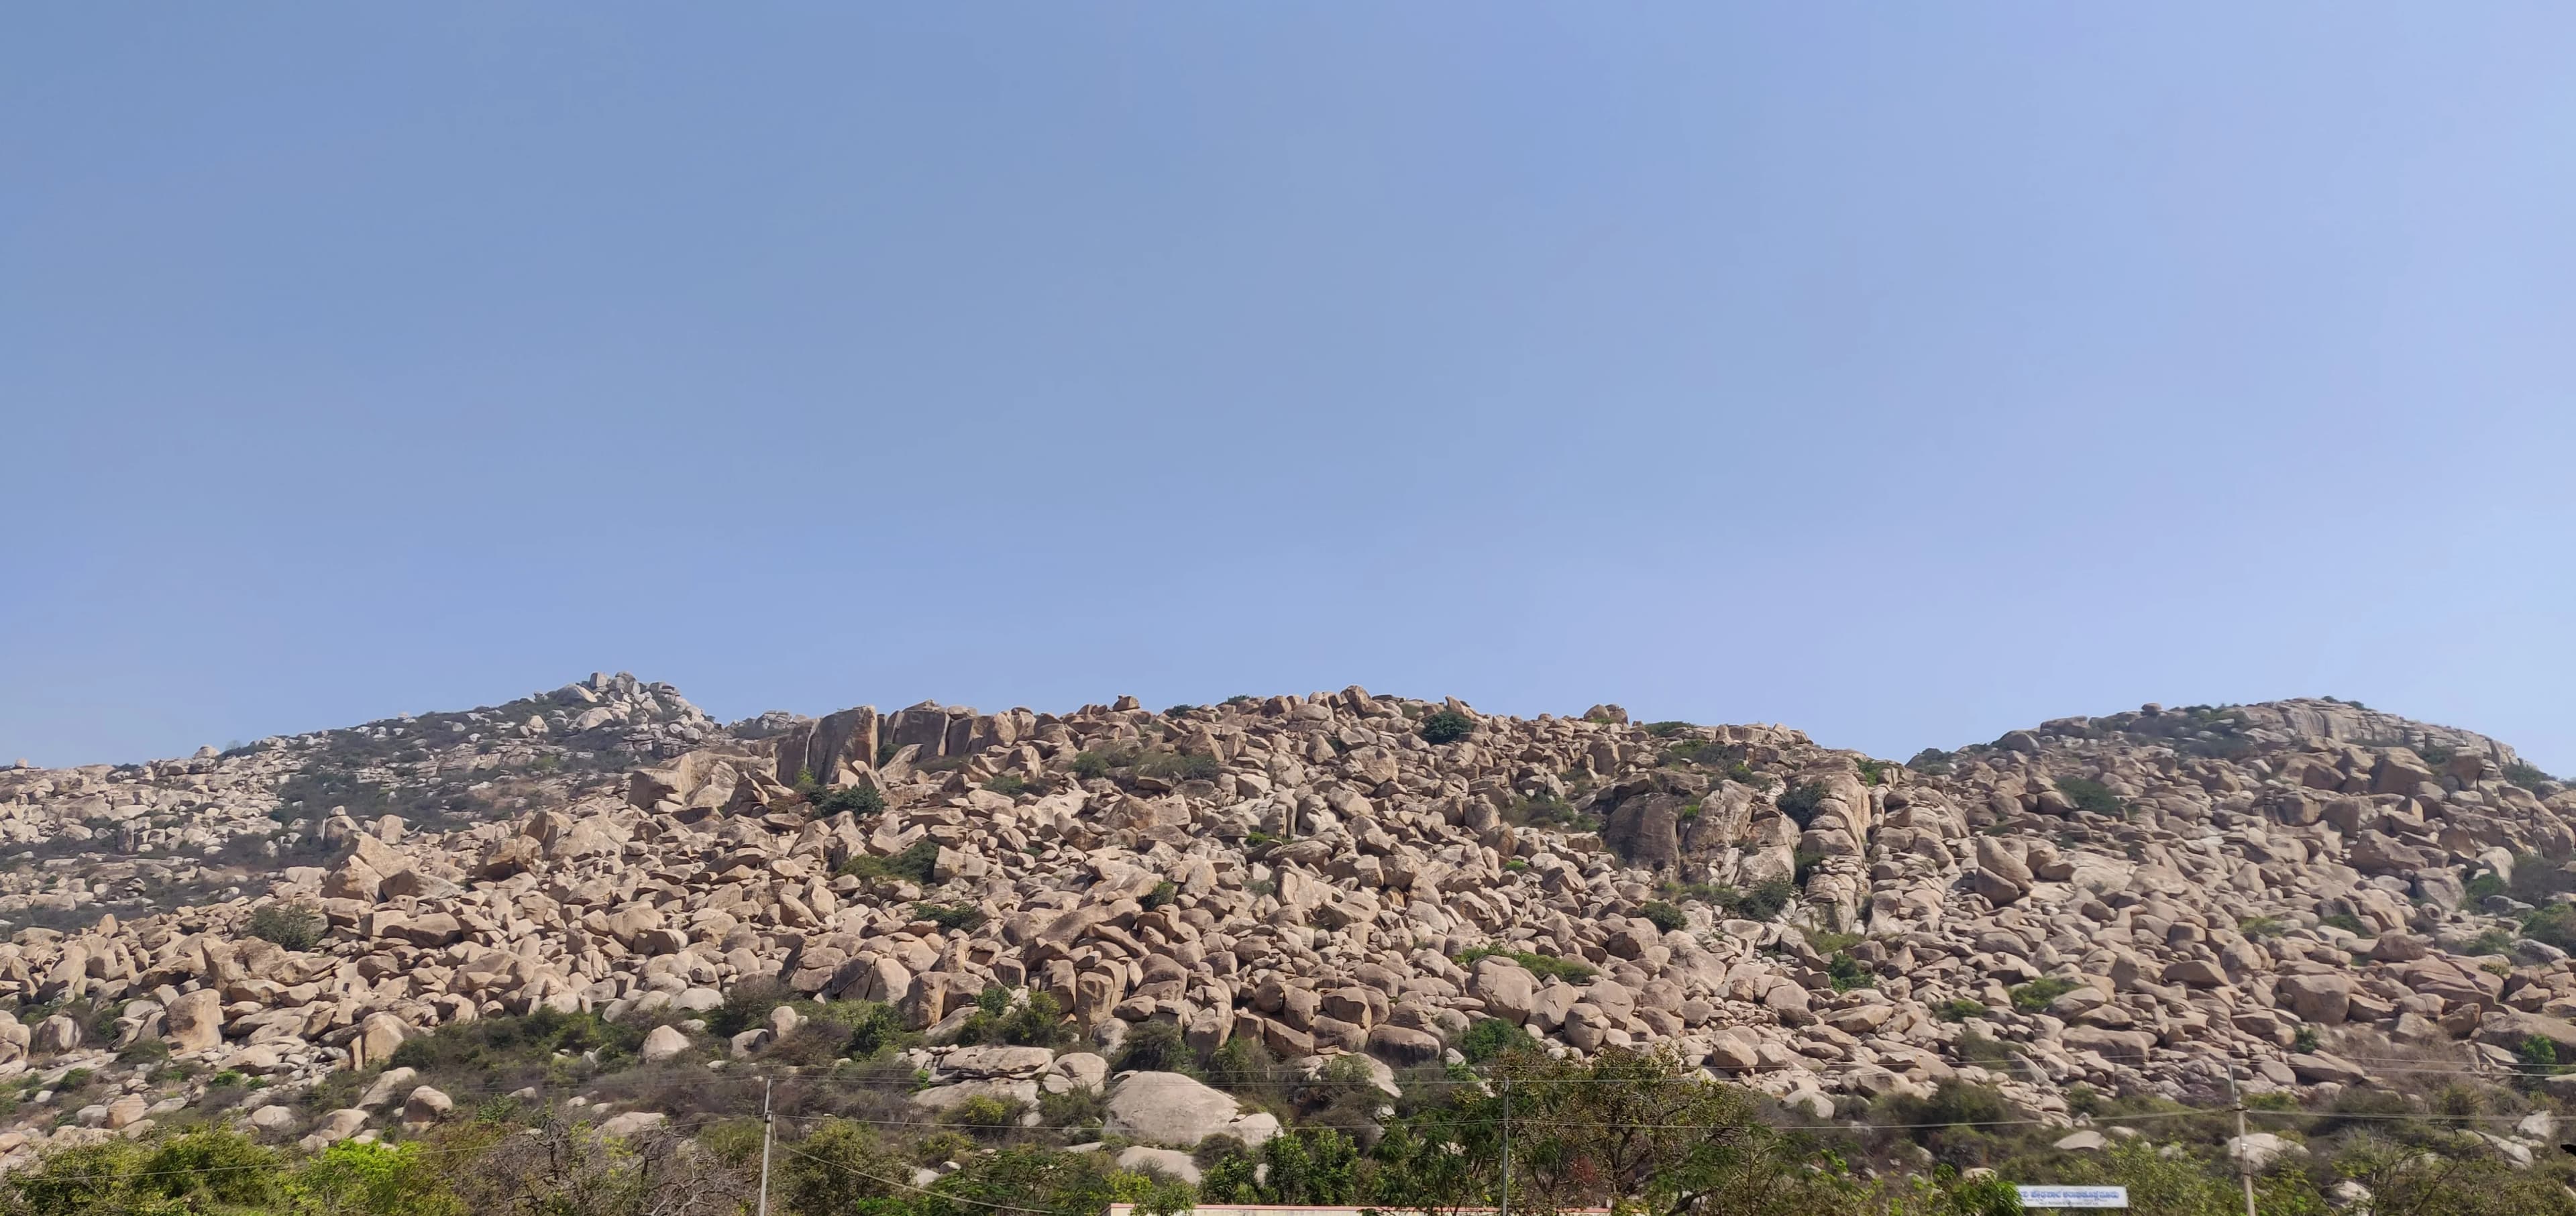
(2298, 893)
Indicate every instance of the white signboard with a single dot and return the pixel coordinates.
(2074, 1196)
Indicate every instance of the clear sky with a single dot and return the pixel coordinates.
(1905, 373)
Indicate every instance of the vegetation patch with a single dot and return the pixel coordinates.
(1178, 766)
(1487, 1038)
(953, 918)
(2261, 928)
(1799, 802)
(1447, 726)
(1544, 966)
(915, 864)
(2526, 776)
(1035, 1021)
(1847, 973)
(1663, 915)
(293, 926)
(2090, 796)
(861, 800)
(2037, 994)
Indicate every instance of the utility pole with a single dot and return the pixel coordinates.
(2244, 1162)
(764, 1146)
(1506, 1206)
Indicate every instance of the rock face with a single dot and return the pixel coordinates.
(2286, 887)
(195, 1021)
(1169, 1109)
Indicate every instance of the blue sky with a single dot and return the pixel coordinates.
(1903, 373)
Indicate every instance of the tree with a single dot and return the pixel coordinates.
(193, 1171)
(841, 1167)
(1064, 1184)
(1627, 1128)
(379, 1179)
(1306, 1166)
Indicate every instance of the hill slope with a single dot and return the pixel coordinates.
(2298, 894)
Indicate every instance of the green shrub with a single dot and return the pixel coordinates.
(2261, 928)
(1154, 1046)
(875, 1028)
(293, 926)
(2525, 775)
(1799, 802)
(1848, 973)
(1826, 941)
(986, 1112)
(1979, 1049)
(202, 1170)
(915, 865)
(1959, 1010)
(2493, 941)
(1239, 1063)
(1092, 765)
(939, 1148)
(1447, 726)
(1491, 1037)
(2036, 995)
(1035, 1022)
(747, 1005)
(2553, 924)
(1872, 771)
(2305, 1039)
(2091, 796)
(494, 1044)
(1931, 761)
(1762, 901)
(2345, 921)
(1697, 751)
(861, 800)
(1178, 766)
(1807, 860)
(1541, 965)
(1545, 810)
(1666, 730)
(1178, 710)
(951, 917)
(1663, 915)
(1085, 1109)
(1163, 893)
(1008, 785)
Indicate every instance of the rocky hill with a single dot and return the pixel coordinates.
(2300, 896)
